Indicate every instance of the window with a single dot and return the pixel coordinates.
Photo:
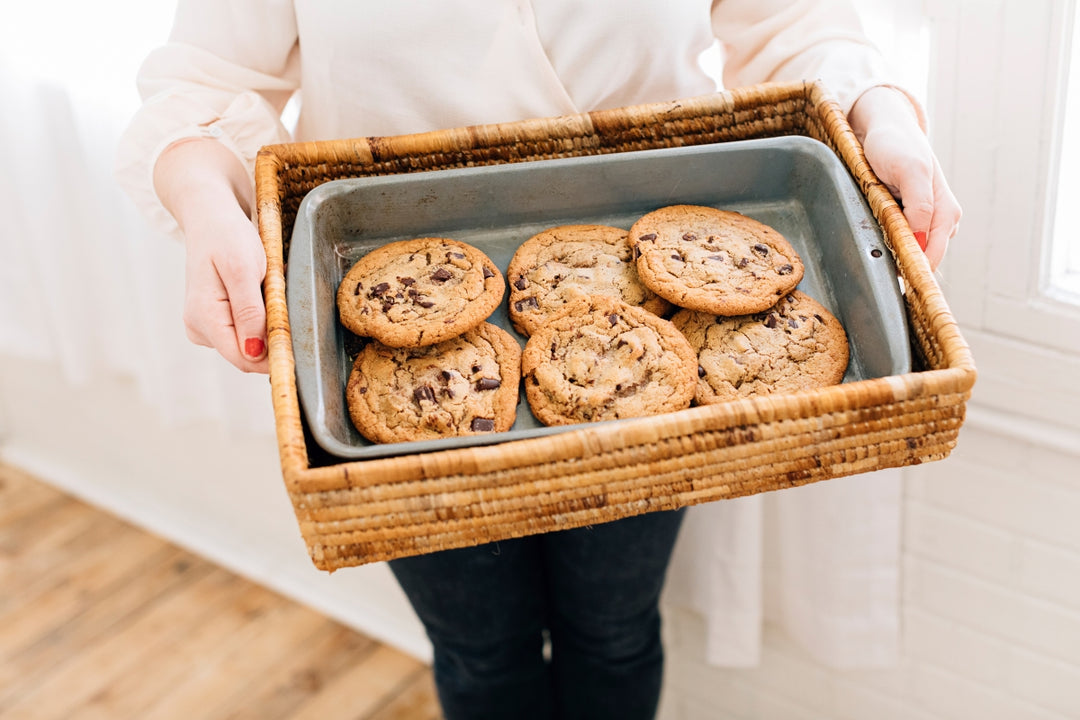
(1064, 255)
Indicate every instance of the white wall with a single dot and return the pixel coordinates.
(990, 611)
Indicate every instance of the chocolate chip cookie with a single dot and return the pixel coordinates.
(795, 345)
(419, 292)
(571, 262)
(714, 261)
(467, 385)
(603, 359)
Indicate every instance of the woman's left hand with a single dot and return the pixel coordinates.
(899, 153)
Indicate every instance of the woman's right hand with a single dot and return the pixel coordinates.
(223, 302)
(206, 189)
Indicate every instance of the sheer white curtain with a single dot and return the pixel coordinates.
(84, 282)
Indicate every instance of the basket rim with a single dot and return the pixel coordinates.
(567, 135)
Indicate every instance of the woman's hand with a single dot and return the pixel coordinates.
(223, 302)
(206, 189)
(900, 154)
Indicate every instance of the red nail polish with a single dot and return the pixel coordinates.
(253, 347)
(920, 237)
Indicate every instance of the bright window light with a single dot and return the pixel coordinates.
(1065, 250)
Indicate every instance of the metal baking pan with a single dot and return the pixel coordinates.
(795, 184)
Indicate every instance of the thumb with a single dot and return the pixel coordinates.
(248, 313)
(917, 200)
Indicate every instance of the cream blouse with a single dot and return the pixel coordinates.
(365, 68)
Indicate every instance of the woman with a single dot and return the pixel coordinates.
(214, 95)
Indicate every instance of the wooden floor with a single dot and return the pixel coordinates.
(101, 620)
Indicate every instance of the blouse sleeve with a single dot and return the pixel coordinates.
(766, 40)
(226, 72)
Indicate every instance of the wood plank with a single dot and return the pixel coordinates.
(301, 676)
(416, 701)
(34, 543)
(130, 694)
(75, 585)
(120, 603)
(364, 689)
(39, 573)
(21, 494)
(123, 651)
(221, 678)
(104, 621)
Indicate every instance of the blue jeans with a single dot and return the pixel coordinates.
(593, 591)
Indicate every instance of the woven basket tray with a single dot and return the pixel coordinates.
(352, 513)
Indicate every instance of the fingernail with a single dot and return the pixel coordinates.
(253, 347)
(920, 237)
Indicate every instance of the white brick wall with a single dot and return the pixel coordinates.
(990, 607)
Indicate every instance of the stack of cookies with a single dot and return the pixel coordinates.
(433, 366)
(734, 279)
(598, 348)
(588, 296)
(691, 305)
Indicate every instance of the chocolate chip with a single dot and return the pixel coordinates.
(613, 319)
(743, 262)
(488, 273)
(387, 303)
(447, 392)
(677, 256)
(379, 289)
(715, 257)
(423, 393)
(441, 275)
(476, 369)
(521, 283)
(637, 251)
(785, 269)
(552, 351)
(819, 318)
(446, 375)
(457, 255)
(363, 391)
(488, 384)
(761, 249)
(651, 237)
(406, 281)
(482, 425)
(520, 305)
(792, 323)
(359, 287)
(689, 237)
(770, 321)
(700, 371)
(875, 253)
(426, 304)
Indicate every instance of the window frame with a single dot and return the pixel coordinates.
(995, 101)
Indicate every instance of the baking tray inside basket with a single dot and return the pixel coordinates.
(795, 184)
